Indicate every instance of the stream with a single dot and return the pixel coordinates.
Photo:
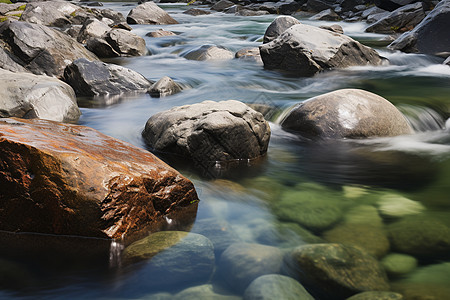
(351, 176)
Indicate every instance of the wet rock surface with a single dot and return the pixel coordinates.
(208, 52)
(149, 13)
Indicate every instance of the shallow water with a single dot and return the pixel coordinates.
(347, 174)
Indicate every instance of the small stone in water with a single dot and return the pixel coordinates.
(392, 205)
(397, 264)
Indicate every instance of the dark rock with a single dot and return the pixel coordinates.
(326, 15)
(40, 49)
(334, 28)
(233, 9)
(196, 12)
(126, 43)
(304, 50)
(268, 287)
(447, 61)
(377, 296)
(209, 131)
(247, 12)
(73, 180)
(164, 87)
(431, 36)
(206, 291)
(319, 5)
(149, 13)
(422, 290)
(289, 7)
(28, 96)
(350, 5)
(208, 52)
(50, 13)
(377, 17)
(97, 78)
(160, 33)
(109, 16)
(222, 5)
(92, 28)
(101, 48)
(251, 53)
(278, 26)
(335, 271)
(346, 113)
(372, 11)
(400, 20)
(242, 263)
(391, 5)
(8, 61)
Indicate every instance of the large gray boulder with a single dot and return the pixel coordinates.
(50, 13)
(335, 271)
(126, 43)
(346, 113)
(149, 13)
(92, 28)
(278, 26)
(400, 20)
(41, 49)
(209, 131)
(28, 96)
(305, 50)
(164, 87)
(208, 52)
(8, 61)
(92, 78)
(431, 36)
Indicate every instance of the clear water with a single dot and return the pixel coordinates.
(349, 174)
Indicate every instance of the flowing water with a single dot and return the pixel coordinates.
(351, 176)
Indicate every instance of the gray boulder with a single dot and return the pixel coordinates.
(371, 11)
(248, 12)
(334, 28)
(160, 33)
(319, 5)
(126, 43)
(305, 50)
(8, 61)
(31, 96)
(268, 287)
(92, 28)
(400, 20)
(326, 15)
(196, 12)
(335, 271)
(149, 13)
(447, 61)
(208, 52)
(346, 113)
(431, 36)
(278, 26)
(222, 5)
(164, 87)
(242, 263)
(251, 53)
(209, 131)
(92, 78)
(101, 47)
(377, 17)
(41, 49)
(50, 13)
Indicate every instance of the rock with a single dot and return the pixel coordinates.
(50, 13)
(196, 12)
(160, 33)
(422, 291)
(174, 257)
(326, 15)
(97, 78)
(447, 61)
(109, 16)
(377, 296)
(335, 271)
(377, 17)
(208, 52)
(306, 236)
(435, 273)
(205, 291)
(29, 96)
(400, 20)
(431, 36)
(222, 5)
(164, 87)
(247, 12)
(149, 13)
(420, 236)
(268, 287)
(319, 5)
(372, 11)
(334, 28)
(278, 26)
(92, 28)
(397, 264)
(126, 43)
(363, 214)
(250, 53)
(8, 61)
(40, 49)
(242, 263)
(346, 113)
(101, 48)
(73, 180)
(209, 131)
(289, 7)
(306, 50)
(392, 5)
(351, 5)
(372, 239)
(395, 206)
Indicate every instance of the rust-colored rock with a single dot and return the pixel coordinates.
(68, 179)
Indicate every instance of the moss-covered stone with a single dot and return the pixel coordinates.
(397, 264)
(363, 214)
(377, 296)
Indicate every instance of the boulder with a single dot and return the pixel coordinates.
(335, 271)
(41, 49)
(101, 47)
(396, 206)
(397, 264)
(92, 78)
(149, 13)
(250, 53)
(377, 17)
(29, 96)
(196, 12)
(431, 36)
(273, 286)
(391, 5)
(160, 33)
(8, 61)
(400, 20)
(376, 296)
(73, 180)
(92, 28)
(247, 12)
(209, 131)
(326, 15)
(222, 5)
(319, 5)
(164, 87)
(50, 13)
(278, 26)
(346, 113)
(305, 50)
(372, 11)
(126, 43)
(208, 52)
(242, 263)
(174, 257)
(334, 28)
(205, 291)
(447, 61)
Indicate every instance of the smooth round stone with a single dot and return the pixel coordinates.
(353, 192)
(398, 264)
(274, 286)
(437, 274)
(377, 296)
(363, 214)
(205, 291)
(392, 205)
(422, 291)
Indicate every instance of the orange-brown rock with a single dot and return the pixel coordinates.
(68, 179)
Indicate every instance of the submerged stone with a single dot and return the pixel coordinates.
(377, 296)
(397, 264)
(268, 287)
